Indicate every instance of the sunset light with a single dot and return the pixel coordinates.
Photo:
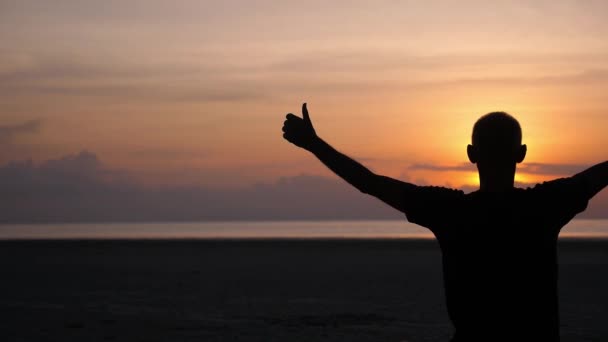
(194, 94)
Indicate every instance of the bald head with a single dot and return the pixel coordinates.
(497, 128)
(497, 138)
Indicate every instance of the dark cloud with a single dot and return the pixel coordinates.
(169, 153)
(8, 132)
(79, 188)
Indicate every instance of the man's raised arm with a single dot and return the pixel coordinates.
(300, 132)
(595, 178)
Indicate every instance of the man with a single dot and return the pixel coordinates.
(498, 243)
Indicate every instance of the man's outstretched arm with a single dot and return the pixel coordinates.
(300, 132)
(595, 178)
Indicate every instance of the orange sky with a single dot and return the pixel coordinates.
(196, 93)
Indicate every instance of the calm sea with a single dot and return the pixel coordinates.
(271, 229)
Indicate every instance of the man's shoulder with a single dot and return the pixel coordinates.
(564, 197)
(434, 190)
(427, 204)
(558, 185)
(431, 199)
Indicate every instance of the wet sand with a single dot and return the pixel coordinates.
(257, 290)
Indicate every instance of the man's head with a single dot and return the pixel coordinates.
(496, 141)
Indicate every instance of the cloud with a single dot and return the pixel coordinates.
(530, 168)
(440, 168)
(553, 169)
(80, 188)
(391, 60)
(448, 69)
(8, 132)
(72, 75)
(214, 78)
(584, 77)
(157, 90)
(169, 153)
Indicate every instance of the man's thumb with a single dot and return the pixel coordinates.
(305, 115)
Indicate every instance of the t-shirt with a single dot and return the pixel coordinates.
(499, 255)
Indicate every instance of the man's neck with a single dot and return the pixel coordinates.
(496, 179)
(496, 184)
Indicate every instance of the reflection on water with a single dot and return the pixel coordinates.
(271, 229)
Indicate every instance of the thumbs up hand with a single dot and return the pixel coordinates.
(299, 131)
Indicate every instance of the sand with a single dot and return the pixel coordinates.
(266, 290)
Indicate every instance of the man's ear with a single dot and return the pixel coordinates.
(472, 153)
(521, 153)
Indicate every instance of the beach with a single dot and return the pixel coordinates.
(258, 290)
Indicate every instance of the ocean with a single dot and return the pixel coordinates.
(175, 282)
(392, 229)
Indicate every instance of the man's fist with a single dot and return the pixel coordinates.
(299, 131)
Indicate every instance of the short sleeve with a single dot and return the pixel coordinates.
(561, 199)
(431, 206)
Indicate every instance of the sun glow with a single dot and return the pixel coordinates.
(472, 179)
(385, 90)
(522, 178)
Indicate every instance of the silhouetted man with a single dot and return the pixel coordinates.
(498, 243)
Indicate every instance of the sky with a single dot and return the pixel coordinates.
(175, 96)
